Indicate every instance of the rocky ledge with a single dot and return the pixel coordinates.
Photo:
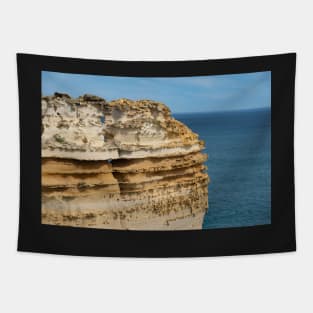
(120, 165)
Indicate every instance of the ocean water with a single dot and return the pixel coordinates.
(239, 147)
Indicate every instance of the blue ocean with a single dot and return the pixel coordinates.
(239, 165)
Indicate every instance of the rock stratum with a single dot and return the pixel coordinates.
(120, 165)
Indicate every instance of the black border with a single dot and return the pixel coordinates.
(279, 236)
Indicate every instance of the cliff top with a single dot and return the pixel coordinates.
(121, 104)
(91, 128)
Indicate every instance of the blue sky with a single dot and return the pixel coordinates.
(181, 94)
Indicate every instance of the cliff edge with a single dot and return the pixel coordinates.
(120, 165)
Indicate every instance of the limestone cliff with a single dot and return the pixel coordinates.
(120, 165)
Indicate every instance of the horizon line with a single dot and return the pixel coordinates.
(221, 111)
(173, 112)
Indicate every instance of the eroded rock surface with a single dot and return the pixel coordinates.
(120, 165)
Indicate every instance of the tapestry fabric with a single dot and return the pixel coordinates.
(158, 158)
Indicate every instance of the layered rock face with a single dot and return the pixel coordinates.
(120, 165)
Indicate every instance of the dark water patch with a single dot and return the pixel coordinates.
(239, 147)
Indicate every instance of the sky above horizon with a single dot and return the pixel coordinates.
(181, 94)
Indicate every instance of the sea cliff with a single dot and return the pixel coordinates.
(120, 165)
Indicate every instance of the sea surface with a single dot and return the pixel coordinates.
(239, 147)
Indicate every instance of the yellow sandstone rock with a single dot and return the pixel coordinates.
(120, 165)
